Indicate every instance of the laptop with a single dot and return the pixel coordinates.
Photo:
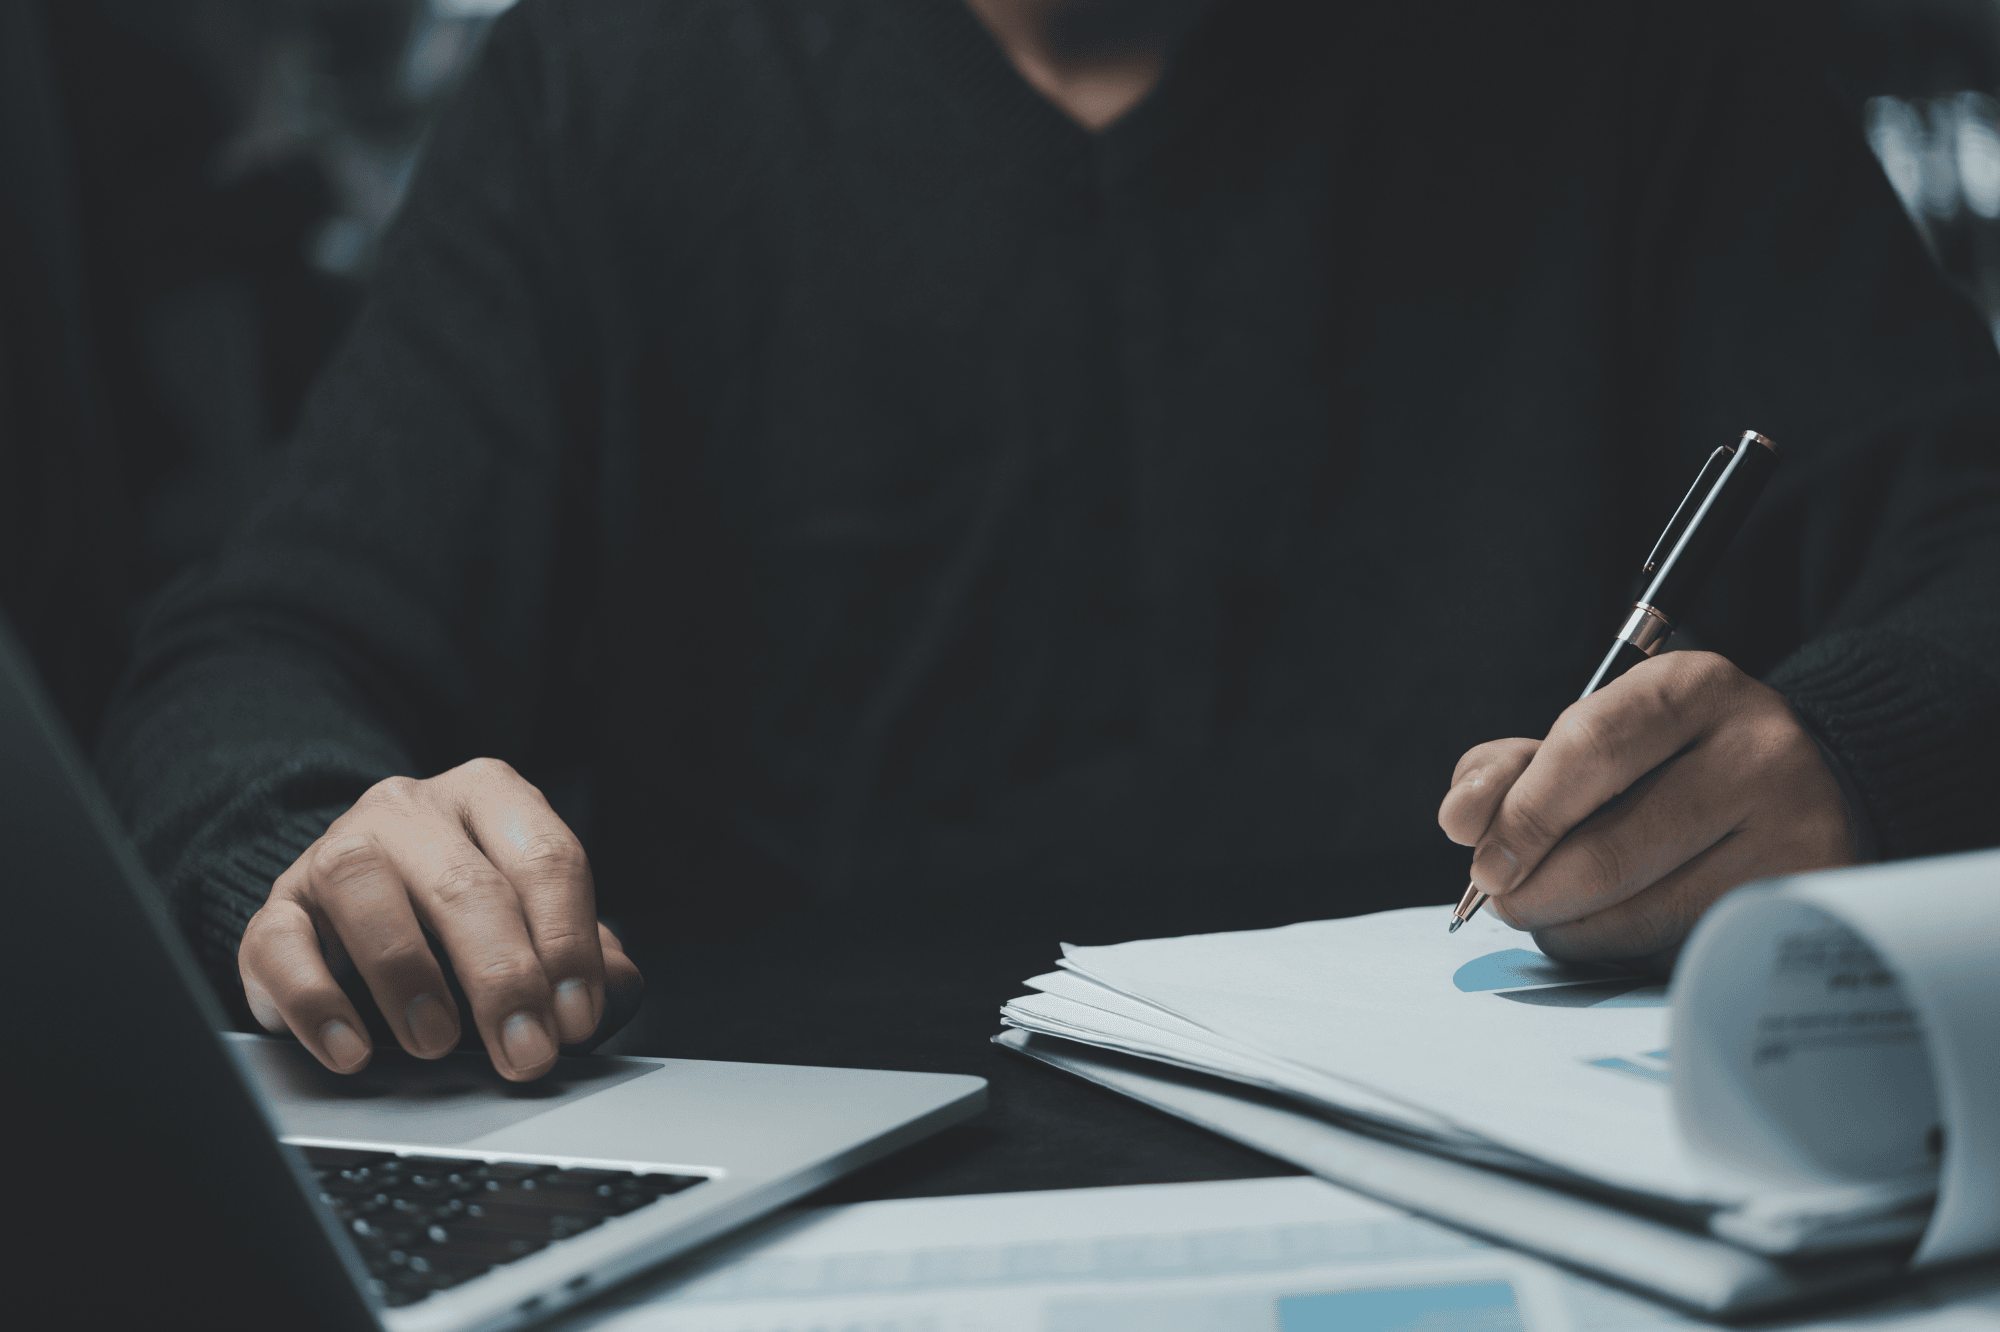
(165, 1169)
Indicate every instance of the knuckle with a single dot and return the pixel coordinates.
(399, 793)
(1702, 667)
(1664, 695)
(464, 883)
(1680, 670)
(1587, 734)
(293, 988)
(1483, 754)
(250, 948)
(564, 936)
(1703, 685)
(487, 768)
(552, 858)
(260, 920)
(269, 926)
(565, 948)
(1681, 711)
(510, 973)
(342, 860)
(398, 952)
(296, 879)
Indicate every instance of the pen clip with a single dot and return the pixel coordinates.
(1711, 472)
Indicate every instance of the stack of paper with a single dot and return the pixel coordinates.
(1474, 1045)
(1470, 1043)
(1833, 1084)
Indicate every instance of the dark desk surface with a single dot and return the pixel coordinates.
(907, 994)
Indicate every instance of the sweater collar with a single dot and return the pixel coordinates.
(974, 72)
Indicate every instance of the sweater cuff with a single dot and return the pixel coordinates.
(1915, 728)
(223, 891)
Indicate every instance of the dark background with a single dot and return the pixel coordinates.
(193, 194)
(194, 190)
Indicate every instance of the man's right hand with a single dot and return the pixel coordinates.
(476, 857)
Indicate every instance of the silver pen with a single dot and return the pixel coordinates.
(1681, 560)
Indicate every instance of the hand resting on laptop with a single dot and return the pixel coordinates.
(1647, 801)
(476, 857)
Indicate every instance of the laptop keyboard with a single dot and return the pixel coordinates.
(426, 1223)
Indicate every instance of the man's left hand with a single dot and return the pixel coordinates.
(1648, 800)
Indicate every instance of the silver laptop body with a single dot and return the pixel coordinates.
(156, 1136)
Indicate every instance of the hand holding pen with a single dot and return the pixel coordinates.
(1673, 779)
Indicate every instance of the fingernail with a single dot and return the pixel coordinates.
(431, 1026)
(1495, 868)
(525, 1041)
(342, 1044)
(573, 1016)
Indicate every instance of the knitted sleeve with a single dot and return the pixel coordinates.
(1781, 288)
(386, 607)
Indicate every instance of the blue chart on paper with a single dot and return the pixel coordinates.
(1546, 983)
(1652, 1065)
(1469, 1306)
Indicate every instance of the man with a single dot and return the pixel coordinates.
(907, 452)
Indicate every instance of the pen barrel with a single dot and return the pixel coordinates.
(1621, 658)
(1710, 529)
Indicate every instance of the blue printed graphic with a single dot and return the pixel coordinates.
(1471, 1306)
(1514, 967)
(1556, 984)
(1650, 1072)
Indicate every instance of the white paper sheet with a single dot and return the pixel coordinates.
(1840, 1032)
(1075, 1006)
(1272, 1255)
(1837, 1041)
(1477, 1030)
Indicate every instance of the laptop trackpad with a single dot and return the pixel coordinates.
(426, 1103)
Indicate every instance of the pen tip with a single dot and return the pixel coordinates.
(1456, 921)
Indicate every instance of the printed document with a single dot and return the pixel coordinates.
(1828, 1078)
(1266, 1255)
(1473, 1038)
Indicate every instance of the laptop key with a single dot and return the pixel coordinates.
(419, 1275)
(353, 1188)
(490, 1247)
(435, 1175)
(567, 1200)
(427, 1223)
(378, 1233)
(347, 1209)
(519, 1220)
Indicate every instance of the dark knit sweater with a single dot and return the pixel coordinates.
(775, 421)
